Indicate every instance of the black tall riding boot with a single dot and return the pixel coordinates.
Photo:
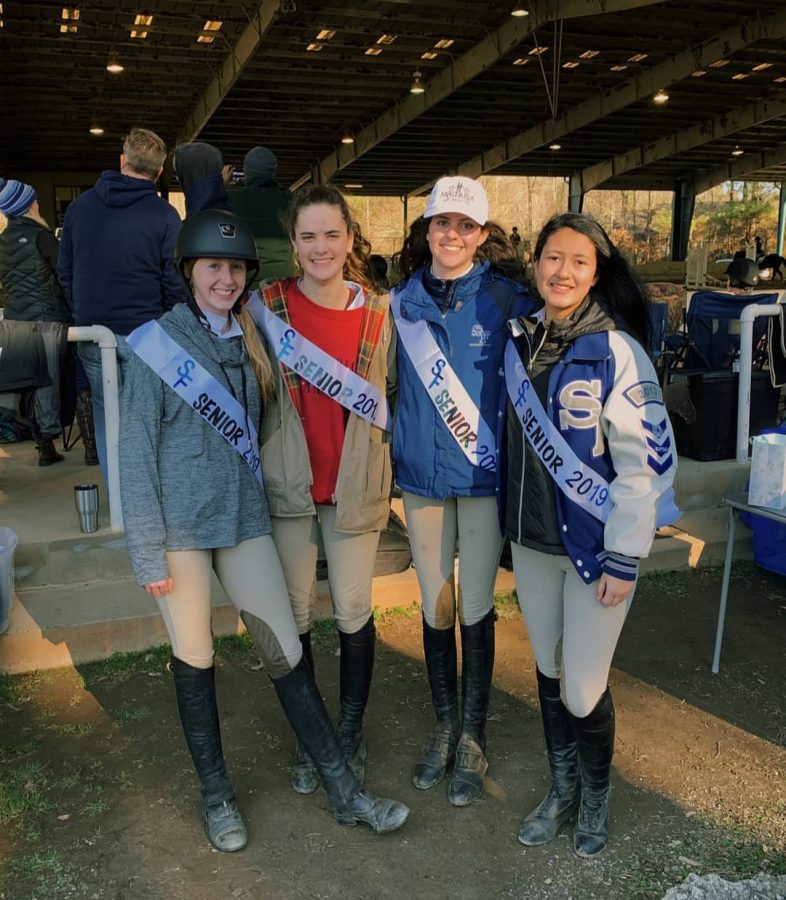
(305, 710)
(562, 800)
(477, 667)
(196, 703)
(595, 741)
(439, 647)
(303, 774)
(84, 417)
(356, 669)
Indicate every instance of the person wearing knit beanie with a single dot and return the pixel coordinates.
(16, 197)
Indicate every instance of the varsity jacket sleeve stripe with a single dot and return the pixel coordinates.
(642, 449)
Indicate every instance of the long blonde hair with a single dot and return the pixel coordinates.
(260, 361)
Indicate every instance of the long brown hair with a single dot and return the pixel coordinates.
(497, 249)
(356, 266)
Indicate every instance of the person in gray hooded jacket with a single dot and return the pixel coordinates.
(193, 501)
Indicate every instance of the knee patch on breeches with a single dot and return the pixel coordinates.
(268, 646)
(443, 615)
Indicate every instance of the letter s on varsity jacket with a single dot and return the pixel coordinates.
(605, 399)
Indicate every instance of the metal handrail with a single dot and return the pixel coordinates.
(746, 364)
(107, 344)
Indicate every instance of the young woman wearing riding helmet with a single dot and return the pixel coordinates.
(326, 441)
(450, 312)
(194, 501)
(589, 464)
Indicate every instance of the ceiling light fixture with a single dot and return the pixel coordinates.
(519, 11)
(347, 139)
(114, 66)
(555, 146)
(661, 97)
(417, 86)
(96, 129)
(737, 151)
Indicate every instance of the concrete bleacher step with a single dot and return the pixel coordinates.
(55, 625)
(76, 600)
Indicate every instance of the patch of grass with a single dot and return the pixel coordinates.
(324, 634)
(733, 853)
(398, 612)
(94, 808)
(229, 645)
(72, 728)
(127, 714)
(23, 791)
(46, 872)
(9, 752)
(121, 666)
(9, 689)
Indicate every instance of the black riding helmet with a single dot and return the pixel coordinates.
(219, 234)
(743, 272)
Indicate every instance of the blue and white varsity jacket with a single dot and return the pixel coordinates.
(472, 333)
(605, 400)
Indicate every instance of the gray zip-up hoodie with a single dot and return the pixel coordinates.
(183, 486)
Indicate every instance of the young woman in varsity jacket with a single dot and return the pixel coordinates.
(194, 501)
(326, 442)
(451, 311)
(589, 461)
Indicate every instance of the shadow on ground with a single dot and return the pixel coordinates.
(98, 798)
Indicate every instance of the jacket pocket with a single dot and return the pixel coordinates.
(379, 473)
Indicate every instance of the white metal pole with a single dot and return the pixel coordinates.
(107, 344)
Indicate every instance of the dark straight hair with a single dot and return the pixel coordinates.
(618, 288)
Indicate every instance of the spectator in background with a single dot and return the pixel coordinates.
(117, 257)
(28, 273)
(378, 269)
(515, 240)
(262, 203)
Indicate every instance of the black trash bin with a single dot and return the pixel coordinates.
(713, 392)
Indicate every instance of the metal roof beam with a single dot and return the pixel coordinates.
(238, 58)
(739, 169)
(672, 70)
(462, 70)
(728, 123)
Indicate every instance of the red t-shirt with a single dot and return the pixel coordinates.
(337, 332)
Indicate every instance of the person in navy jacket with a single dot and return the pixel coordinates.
(586, 477)
(450, 312)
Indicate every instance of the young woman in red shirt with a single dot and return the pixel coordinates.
(326, 442)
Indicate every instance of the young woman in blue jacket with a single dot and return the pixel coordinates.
(589, 462)
(450, 312)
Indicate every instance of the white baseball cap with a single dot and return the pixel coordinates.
(457, 194)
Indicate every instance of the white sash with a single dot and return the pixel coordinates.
(319, 368)
(197, 387)
(454, 406)
(579, 482)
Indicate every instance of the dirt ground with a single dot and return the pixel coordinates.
(98, 799)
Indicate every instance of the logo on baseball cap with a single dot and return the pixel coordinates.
(457, 194)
